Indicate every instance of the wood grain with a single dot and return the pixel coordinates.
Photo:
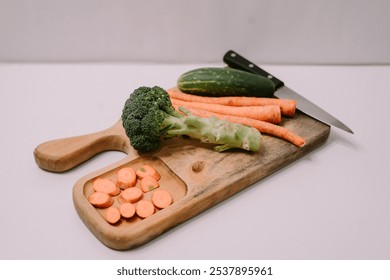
(63, 154)
(198, 177)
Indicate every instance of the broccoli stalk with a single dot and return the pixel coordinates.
(148, 117)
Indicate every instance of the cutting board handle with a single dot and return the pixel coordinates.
(63, 154)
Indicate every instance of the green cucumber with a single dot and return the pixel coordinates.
(213, 81)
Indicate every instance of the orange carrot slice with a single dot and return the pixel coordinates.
(148, 183)
(132, 194)
(106, 186)
(161, 198)
(147, 170)
(126, 178)
(100, 200)
(113, 215)
(127, 210)
(144, 208)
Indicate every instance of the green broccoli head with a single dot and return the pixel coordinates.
(143, 116)
(148, 116)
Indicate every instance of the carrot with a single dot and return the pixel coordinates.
(100, 200)
(127, 210)
(147, 170)
(161, 198)
(131, 194)
(148, 183)
(126, 178)
(287, 106)
(263, 127)
(269, 113)
(144, 208)
(106, 186)
(113, 215)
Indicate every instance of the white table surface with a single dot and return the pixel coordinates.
(332, 204)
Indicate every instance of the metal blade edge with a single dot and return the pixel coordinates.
(310, 108)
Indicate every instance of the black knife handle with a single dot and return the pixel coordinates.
(237, 61)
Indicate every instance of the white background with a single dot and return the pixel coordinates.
(176, 31)
(332, 204)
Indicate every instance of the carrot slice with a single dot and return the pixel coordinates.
(144, 208)
(100, 200)
(113, 215)
(106, 186)
(148, 184)
(126, 178)
(161, 198)
(127, 210)
(147, 170)
(132, 194)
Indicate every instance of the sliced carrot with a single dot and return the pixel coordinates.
(144, 208)
(126, 178)
(112, 215)
(147, 170)
(287, 106)
(161, 198)
(263, 127)
(100, 199)
(132, 194)
(106, 186)
(148, 183)
(269, 113)
(127, 210)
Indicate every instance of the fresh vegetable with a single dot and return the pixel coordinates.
(263, 127)
(106, 186)
(148, 183)
(287, 106)
(113, 215)
(100, 200)
(269, 113)
(216, 81)
(161, 198)
(126, 178)
(127, 210)
(131, 194)
(129, 200)
(147, 170)
(144, 208)
(148, 115)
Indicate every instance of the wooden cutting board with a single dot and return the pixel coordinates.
(196, 176)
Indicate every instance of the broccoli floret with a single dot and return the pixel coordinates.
(148, 117)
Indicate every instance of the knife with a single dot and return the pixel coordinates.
(237, 61)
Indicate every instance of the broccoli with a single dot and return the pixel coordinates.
(148, 117)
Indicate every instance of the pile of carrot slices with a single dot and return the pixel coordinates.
(129, 194)
(264, 114)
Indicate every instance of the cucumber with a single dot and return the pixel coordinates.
(213, 81)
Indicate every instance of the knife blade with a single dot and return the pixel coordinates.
(234, 60)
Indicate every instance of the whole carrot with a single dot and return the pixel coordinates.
(287, 106)
(262, 126)
(269, 113)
